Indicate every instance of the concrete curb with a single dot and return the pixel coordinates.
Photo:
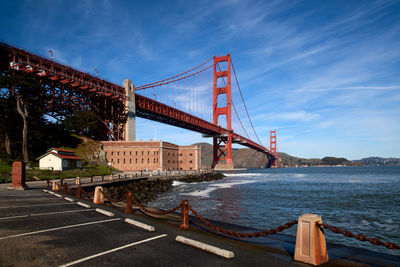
(83, 205)
(58, 195)
(140, 225)
(104, 212)
(69, 199)
(206, 247)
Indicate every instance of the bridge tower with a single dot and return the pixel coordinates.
(222, 144)
(130, 109)
(272, 147)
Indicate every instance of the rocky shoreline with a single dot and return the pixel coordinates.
(148, 190)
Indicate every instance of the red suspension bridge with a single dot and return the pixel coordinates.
(203, 99)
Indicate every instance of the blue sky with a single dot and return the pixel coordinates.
(324, 74)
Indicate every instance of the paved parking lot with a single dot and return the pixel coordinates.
(37, 228)
(40, 229)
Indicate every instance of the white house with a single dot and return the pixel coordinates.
(58, 159)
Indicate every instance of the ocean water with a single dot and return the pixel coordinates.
(359, 199)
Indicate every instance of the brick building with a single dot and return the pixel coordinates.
(151, 155)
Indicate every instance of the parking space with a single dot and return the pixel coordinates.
(37, 228)
(40, 229)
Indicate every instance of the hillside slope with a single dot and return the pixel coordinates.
(249, 158)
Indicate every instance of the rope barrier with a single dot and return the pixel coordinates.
(238, 234)
(360, 237)
(81, 190)
(186, 207)
(159, 213)
(112, 200)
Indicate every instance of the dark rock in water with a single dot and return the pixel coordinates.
(148, 190)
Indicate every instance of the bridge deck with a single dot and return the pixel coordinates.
(37, 228)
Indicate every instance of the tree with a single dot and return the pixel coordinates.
(83, 122)
(28, 94)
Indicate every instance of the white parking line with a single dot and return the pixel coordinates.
(36, 205)
(22, 195)
(59, 228)
(41, 214)
(111, 251)
(28, 199)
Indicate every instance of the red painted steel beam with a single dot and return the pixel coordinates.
(58, 71)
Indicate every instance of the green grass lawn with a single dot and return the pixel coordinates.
(5, 171)
(87, 171)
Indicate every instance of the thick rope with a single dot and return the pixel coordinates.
(360, 237)
(238, 234)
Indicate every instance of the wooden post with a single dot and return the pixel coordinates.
(98, 195)
(185, 215)
(129, 203)
(310, 241)
(55, 186)
(78, 192)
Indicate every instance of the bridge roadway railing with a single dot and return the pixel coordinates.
(317, 239)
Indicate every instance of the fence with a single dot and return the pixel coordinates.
(317, 241)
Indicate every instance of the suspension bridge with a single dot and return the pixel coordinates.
(206, 99)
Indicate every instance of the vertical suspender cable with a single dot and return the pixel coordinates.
(240, 91)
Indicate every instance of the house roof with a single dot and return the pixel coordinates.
(59, 156)
(66, 156)
(60, 149)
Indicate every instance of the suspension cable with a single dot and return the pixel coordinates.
(167, 82)
(240, 91)
(147, 85)
(234, 108)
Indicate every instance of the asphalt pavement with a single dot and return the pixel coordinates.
(41, 229)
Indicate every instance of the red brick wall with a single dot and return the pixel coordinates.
(141, 155)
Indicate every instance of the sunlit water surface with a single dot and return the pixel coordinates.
(360, 199)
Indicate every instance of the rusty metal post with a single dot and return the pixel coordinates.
(91, 179)
(61, 181)
(129, 203)
(119, 177)
(125, 176)
(48, 183)
(78, 192)
(102, 178)
(185, 215)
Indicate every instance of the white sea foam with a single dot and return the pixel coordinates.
(246, 174)
(206, 192)
(300, 175)
(177, 183)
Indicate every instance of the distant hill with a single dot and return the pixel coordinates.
(249, 158)
(377, 161)
(242, 158)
